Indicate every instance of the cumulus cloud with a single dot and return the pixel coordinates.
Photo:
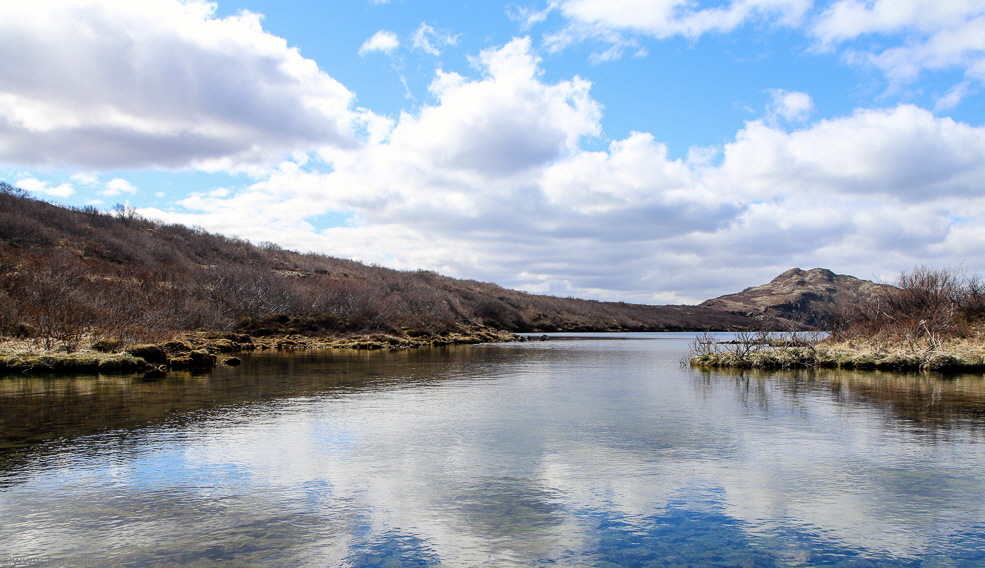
(904, 153)
(163, 83)
(382, 41)
(503, 124)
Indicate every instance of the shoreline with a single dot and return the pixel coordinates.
(201, 351)
(956, 356)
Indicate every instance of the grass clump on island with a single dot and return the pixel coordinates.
(931, 320)
(106, 356)
(26, 358)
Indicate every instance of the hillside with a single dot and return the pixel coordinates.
(813, 297)
(67, 273)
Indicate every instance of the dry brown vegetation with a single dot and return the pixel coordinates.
(926, 308)
(932, 319)
(72, 274)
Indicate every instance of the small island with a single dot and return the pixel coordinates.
(931, 320)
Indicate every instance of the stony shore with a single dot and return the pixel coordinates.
(202, 351)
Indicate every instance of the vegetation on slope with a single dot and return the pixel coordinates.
(72, 275)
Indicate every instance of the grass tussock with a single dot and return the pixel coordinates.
(26, 360)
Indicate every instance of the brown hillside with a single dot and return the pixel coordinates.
(812, 297)
(67, 272)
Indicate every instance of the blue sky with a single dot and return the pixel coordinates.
(656, 151)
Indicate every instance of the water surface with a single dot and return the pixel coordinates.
(569, 452)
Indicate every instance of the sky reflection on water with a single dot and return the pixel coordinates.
(574, 453)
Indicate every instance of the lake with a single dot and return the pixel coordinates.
(596, 450)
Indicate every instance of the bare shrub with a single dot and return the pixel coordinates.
(51, 300)
(927, 307)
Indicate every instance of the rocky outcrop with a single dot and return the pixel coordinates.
(809, 297)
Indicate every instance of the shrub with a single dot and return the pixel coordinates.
(927, 306)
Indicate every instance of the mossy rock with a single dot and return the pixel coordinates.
(153, 354)
(176, 346)
(121, 363)
(232, 361)
(196, 360)
(223, 346)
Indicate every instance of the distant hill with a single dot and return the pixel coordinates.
(812, 297)
(66, 272)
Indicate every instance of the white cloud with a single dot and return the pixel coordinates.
(382, 41)
(790, 106)
(117, 186)
(503, 124)
(934, 34)
(163, 83)
(905, 153)
(425, 38)
(913, 35)
(615, 22)
(85, 178)
(953, 97)
(41, 187)
(847, 19)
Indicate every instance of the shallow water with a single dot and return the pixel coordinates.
(570, 452)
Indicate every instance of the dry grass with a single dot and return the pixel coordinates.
(903, 354)
(881, 352)
(198, 350)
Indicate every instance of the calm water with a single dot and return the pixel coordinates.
(570, 452)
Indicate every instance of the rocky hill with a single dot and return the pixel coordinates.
(812, 297)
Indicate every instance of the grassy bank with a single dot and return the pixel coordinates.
(931, 320)
(201, 351)
(959, 354)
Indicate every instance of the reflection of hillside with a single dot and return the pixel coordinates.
(924, 400)
(37, 412)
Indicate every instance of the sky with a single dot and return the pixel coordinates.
(650, 151)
